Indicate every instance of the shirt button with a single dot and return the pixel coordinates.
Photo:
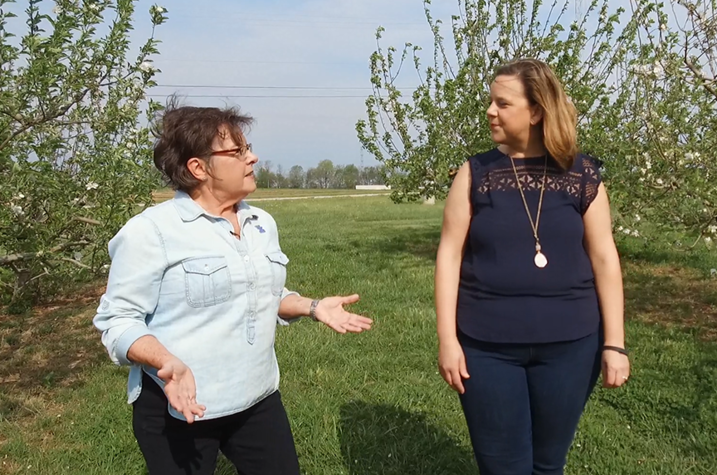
(246, 258)
(251, 286)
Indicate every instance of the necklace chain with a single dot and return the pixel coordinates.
(533, 224)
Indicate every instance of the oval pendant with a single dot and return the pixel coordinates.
(540, 260)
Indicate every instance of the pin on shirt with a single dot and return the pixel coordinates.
(258, 226)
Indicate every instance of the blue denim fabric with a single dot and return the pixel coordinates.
(523, 402)
(212, 300)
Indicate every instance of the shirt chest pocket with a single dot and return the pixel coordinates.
(207, 281)
(277, 265)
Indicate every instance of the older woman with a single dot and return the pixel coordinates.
(195, 291)
(529, 293)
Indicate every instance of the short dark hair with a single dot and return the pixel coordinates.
(185, 132)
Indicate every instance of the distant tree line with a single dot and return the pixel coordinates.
(324, 175)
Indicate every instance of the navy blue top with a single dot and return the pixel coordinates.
(503, 297)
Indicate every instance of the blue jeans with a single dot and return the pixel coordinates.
(523, 402)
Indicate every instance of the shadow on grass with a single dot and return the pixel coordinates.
(671, 296)
(391, 242)
(382, 439)
(663, 252)
(46, 348)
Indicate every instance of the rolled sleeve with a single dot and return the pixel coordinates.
(286, 322)
(138, 263)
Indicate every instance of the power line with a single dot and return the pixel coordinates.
(162, 59)
(307, 20)
(228, 96)
(312, 88)
(291, 17)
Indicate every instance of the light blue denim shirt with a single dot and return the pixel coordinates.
(212, 300)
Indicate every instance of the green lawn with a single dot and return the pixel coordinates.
(271, 193)
(374, 404)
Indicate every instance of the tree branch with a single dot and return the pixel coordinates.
(705, 81)
(10, 259)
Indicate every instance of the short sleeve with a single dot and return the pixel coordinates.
(591, 180)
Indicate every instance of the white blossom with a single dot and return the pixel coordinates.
(641, 69)
(663, 27)
(57, 10)
(92, 186)
(637, 217)
(659, 181)
(689, 156)
(636, 233)
(95, 7)
(712, 229)
(17, 210)
(627, 231)
(146, 66)
(18, 197)
(708, 240)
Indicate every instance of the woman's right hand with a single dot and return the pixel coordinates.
(452, 364)
(180, 389)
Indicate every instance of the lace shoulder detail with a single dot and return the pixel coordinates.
(502, 178)
(590, 182)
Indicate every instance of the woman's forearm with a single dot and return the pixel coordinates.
(447, 278)
(294, 306)
(148, 351)
(608, 282)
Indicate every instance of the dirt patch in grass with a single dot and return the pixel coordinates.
(46, 348)
(672, 296)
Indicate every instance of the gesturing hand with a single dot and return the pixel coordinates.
(330, 311)
(180, 389)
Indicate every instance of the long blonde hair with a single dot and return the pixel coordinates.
(559, 124)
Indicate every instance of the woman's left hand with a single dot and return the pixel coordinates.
(330, 311)
(615, 369)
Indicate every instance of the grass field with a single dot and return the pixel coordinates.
(374, 404)
(272, 193)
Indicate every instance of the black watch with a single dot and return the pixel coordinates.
(312, 309)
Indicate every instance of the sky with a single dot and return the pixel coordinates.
(216, 53)
(299, 67)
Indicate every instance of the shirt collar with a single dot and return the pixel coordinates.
(189, 210)
(245, 212)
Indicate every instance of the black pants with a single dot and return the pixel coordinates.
(523, 402)
(257, 441)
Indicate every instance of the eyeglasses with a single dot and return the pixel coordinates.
(237, 152)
